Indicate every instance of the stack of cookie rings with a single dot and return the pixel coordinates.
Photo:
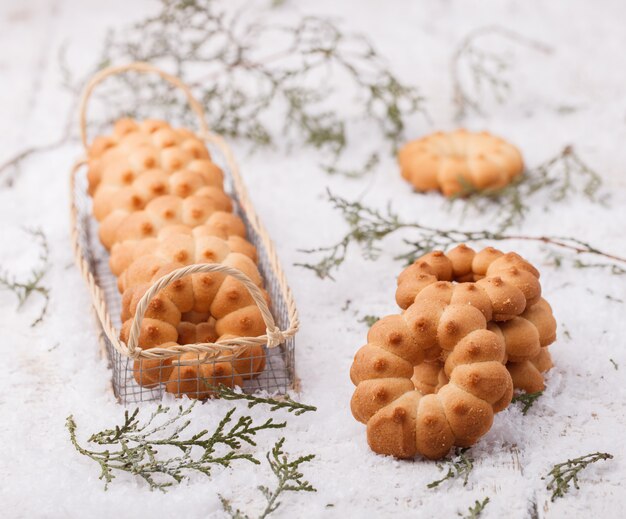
(466, 315)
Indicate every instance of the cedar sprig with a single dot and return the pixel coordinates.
(33, 284)
(289, 478)
(476, 68)
(527, 400)
(249, 74)
(566, 473)
(474, 512)
(247, 81)
(460, 465)
(369, 320)
(615, 270)
(557, 179)
(367, 227)
(138, 447)
(286, 403)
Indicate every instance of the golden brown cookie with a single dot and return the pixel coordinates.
(434, 376)
(453, 161)
(160, 203)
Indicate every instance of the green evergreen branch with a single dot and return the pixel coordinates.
(369, 320)
(136, 447)
(562, 474)
(556, 179)
(286, 403)
(527, 400)
(24, 289)
(289, 479)
(459, 466)
(474, 512)
(367, 227)
(474, 68)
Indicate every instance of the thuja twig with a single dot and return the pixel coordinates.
(458, 466)
(562, 474)
(249, 74)
(367, 227)
(14, 162)
(474, 512)
(286, 403)
(369, 320)
(136, 447)
(527, 400)
(289, 479)
(616, 270)
(23, 289)
(556, 179)
(484, 67)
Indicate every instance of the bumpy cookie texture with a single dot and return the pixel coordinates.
(434, 376)
(148, 175)
(508, 282)
(452, 161)
(160, 203)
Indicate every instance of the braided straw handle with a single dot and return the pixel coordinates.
(273, 337)
(135, 67)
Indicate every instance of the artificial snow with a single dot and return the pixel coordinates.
(55, 369)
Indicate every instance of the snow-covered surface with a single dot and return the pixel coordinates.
(55, 369)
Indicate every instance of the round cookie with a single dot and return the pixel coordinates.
(452, 162)
(434, 376)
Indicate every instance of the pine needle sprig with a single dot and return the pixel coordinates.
(137, 448)
(24, 289)
(369, 320)
(527, 400)
(557, 179)
(566, 473)
(286, 403)
(475, 68)
(615, 270)
(248, 74)
(367, 227)
(289, 479)
(474, 512)
(460, 465)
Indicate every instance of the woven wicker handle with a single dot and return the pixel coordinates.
(135, 67)
(273, 337)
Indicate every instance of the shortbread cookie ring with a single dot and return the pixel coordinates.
(451, 162)
(504, 287)
(403, 422)
(527, 375)
(464, 308)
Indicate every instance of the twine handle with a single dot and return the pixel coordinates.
(273, 335)
(135, 67)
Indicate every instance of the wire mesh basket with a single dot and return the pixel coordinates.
(273, 371)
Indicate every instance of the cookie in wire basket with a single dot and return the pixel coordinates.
(193, 256)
